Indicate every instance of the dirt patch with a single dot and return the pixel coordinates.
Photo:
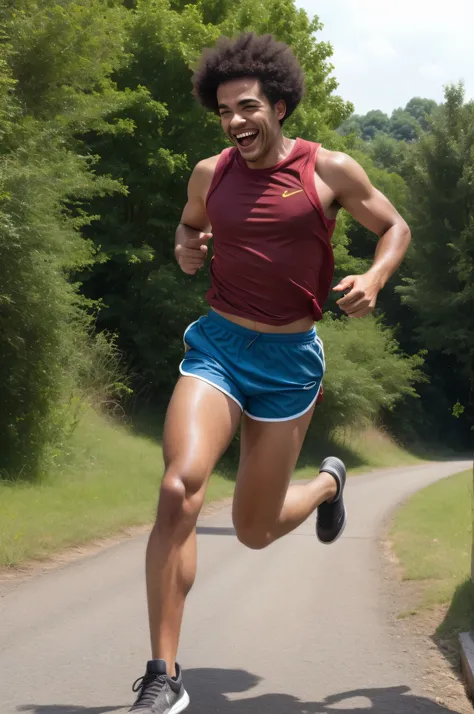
(440, 672)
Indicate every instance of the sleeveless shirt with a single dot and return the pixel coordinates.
(272, 255)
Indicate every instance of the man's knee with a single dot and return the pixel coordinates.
(251, 534)
(181, 497)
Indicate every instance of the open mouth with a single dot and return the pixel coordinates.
(245, 139)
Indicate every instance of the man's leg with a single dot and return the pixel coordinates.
(265, 508)
(200, 423)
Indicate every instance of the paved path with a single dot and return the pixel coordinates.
(299, 628)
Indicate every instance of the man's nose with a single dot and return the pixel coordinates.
(237, 122)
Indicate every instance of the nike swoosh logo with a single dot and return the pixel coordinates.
(287, 194)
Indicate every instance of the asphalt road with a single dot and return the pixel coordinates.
(298, 628)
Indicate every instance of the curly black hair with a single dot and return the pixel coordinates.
(250, 55)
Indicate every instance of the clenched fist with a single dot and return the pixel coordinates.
(192, 253)
(362, 295)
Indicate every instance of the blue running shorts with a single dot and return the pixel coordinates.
(271, 376)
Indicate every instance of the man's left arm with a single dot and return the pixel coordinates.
(354, 192)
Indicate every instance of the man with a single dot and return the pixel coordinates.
(255, 359)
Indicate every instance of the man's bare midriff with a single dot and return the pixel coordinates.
(303, 325)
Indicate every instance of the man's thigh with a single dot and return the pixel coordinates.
(200, 424)
(268, 455)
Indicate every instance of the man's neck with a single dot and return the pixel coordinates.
(278, 152)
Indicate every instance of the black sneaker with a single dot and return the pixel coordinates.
(158, 693)
(331, 515)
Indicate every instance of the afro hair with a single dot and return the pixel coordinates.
(250, 55)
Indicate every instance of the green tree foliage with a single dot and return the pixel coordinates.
(45, 339)
(441, 286)
(403, 125)
(373, 123)
(421, 109)
(366, 372)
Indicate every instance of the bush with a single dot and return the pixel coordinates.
(43, 324)
(53, 59)
(365, 372)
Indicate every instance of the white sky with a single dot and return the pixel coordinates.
(388, 51)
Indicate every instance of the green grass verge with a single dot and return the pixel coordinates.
(360, 450)
(109, 480)
(432, 536)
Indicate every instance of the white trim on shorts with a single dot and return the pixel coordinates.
(186, 346)
(320, 342)
(295, 416)
(213, 384)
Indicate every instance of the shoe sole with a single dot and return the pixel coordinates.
(181, 704)
(330, 542)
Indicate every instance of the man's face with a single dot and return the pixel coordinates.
(248, 118)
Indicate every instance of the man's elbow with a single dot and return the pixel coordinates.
(405, 232)
(400, 228)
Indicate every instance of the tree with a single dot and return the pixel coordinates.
(45, 343)
(388, 153)
(367, 126)
(421, 109)
(403, 126)
(441, 288)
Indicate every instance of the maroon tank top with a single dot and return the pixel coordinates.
(273, 260)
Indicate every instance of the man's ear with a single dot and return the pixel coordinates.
(280, 109)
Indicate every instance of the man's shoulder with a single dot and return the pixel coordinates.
(336, 167)
(335, 160)
(202, 175)
(207, 166)
(204, 171)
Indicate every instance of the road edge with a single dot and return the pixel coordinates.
(90, 548)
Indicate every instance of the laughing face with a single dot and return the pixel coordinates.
(249, 120)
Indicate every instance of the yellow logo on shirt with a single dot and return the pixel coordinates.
(287, 194)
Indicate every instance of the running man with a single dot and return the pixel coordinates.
(255, 358)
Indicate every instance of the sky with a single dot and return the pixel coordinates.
(388, 51)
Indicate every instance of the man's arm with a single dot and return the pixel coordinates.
(354, 192)
(192, 233)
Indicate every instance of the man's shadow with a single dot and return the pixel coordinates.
(212, 692)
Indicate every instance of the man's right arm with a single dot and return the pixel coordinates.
(193, 231)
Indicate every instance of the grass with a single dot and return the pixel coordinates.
(432, 536)
(360, 450)
(110, 482)
(110, 477)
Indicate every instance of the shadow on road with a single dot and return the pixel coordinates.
(215, 530)
(210, 690)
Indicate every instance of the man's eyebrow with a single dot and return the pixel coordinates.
(246, 100)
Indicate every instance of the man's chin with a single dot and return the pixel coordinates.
(250, 156)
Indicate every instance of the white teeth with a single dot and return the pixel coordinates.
(246, 133)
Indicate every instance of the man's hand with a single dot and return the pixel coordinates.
(192, 253)
(362, 296)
